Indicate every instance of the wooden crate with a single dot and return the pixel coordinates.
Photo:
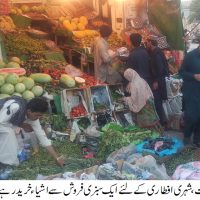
(73, 97)
(100, 95)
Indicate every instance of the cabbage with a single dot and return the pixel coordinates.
(2, 96)
(17, 94)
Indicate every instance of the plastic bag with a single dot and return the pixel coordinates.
(74, 131)
(188, 171)
(121, 154)
(133, 158)
(148, 163)
(108, 172)
(138, 173)
(92, 131)
(87, 176)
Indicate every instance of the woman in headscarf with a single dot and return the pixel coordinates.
(141, 101)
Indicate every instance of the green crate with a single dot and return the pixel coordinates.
(54, 55)
(21, 21)
(57, 102)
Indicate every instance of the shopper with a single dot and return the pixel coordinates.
(15, 112)
(141, 101)
(159, 71)
(190, 72)
(139, 59)
(102, 58)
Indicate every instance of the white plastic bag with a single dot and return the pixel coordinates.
(149, 164)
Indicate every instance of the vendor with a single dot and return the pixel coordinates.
(141, 101)
(15, 112)
(103, 59)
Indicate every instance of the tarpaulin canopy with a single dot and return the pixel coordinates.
(166, 16)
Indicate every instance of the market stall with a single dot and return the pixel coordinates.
(46, 51)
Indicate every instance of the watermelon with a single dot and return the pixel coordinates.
(7, 88)
(3, 96)
(18, 71)
(20, 88)
(12, 65)
(37, 90)
(41, 78)
(12, 78)
(2, 80)
(28, 82)
(28, 95)
(17, 94)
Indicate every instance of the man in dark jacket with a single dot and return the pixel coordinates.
(139, 59)
(159, 70)
(190, 72)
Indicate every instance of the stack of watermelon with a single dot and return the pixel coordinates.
(12, 84)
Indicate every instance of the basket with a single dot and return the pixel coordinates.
(21, 21)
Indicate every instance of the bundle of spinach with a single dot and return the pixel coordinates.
(111, 141)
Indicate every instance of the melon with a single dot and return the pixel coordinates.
(37, 90)
(7, 88)
(15, 59)
(67, 80)
(25, 9)
(3, 96)
(20, 88)
(28, 95)
(17, 94)
(75, 20)
(19, 71)
(12, 65)
(83, 20)
(41, 78)
(2, 64)
(28, 82)
(81, 27)
(21, 78)
(79, 80)
(12, 78)
(2, 80)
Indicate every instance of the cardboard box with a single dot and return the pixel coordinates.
(74, 97)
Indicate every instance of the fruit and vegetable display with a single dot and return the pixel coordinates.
(100, 99)
(74, 23)
(116, 96)
(78, 111)
(42, 163)
(6, 24)
(123, 137)
(57, 122)
(18, 44)
(12, 84)
(24, 9)
(115, 41)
